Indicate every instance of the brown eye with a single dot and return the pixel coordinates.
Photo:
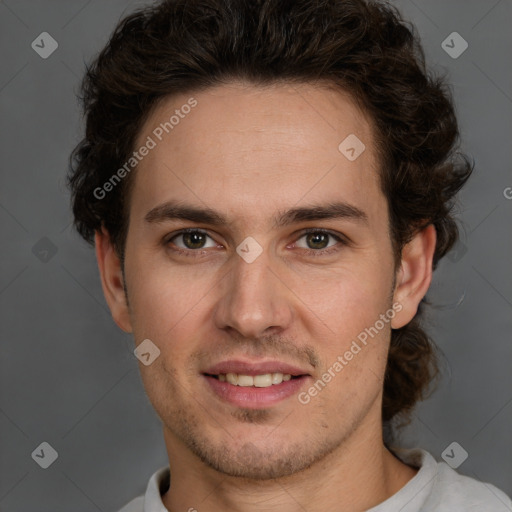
(192, 240)
(317, 240)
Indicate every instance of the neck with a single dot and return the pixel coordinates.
(358, 475)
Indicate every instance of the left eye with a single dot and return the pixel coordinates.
(192, 240)
(318, 240)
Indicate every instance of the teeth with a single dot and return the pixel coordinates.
(277, 378)
(259, 381)
(262, 381)
(232, 378)
(245, 380)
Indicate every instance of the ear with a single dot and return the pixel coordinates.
(414, 275)
(112, 279)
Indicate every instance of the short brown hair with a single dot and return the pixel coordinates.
(363, 47)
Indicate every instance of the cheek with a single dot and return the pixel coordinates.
(350, 300)
(166, 301)
(355, 341)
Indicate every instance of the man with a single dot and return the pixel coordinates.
(268, 185)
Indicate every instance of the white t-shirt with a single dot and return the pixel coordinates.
(435, 488)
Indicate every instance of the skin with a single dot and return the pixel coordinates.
(250, 153)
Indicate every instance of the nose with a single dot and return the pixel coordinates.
(254, 299)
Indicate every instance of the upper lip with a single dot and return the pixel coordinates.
(254, 368)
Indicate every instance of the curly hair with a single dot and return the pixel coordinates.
(362, 47)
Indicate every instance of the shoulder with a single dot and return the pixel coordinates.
(136, 505)
(152, 499)
(453, 491)
(450, 491)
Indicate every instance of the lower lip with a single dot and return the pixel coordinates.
(252, 397)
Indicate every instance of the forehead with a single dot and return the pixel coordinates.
(254, 147)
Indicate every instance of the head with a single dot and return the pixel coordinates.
(241, 107)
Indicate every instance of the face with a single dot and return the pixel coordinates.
(256, 247)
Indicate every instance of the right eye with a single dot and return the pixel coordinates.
(190, 240)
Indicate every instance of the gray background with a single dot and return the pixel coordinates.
(68, 374)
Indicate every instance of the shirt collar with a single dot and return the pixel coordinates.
(414, 494)
(158, 485)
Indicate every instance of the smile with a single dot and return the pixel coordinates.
(258, 381)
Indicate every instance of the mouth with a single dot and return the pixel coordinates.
(259, 381)
(255, 385)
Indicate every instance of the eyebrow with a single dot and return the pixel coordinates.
(339, 210)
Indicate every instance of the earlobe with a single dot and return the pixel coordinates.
(112, 279)
(414, 275)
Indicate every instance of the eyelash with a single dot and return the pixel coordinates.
(311, 252)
